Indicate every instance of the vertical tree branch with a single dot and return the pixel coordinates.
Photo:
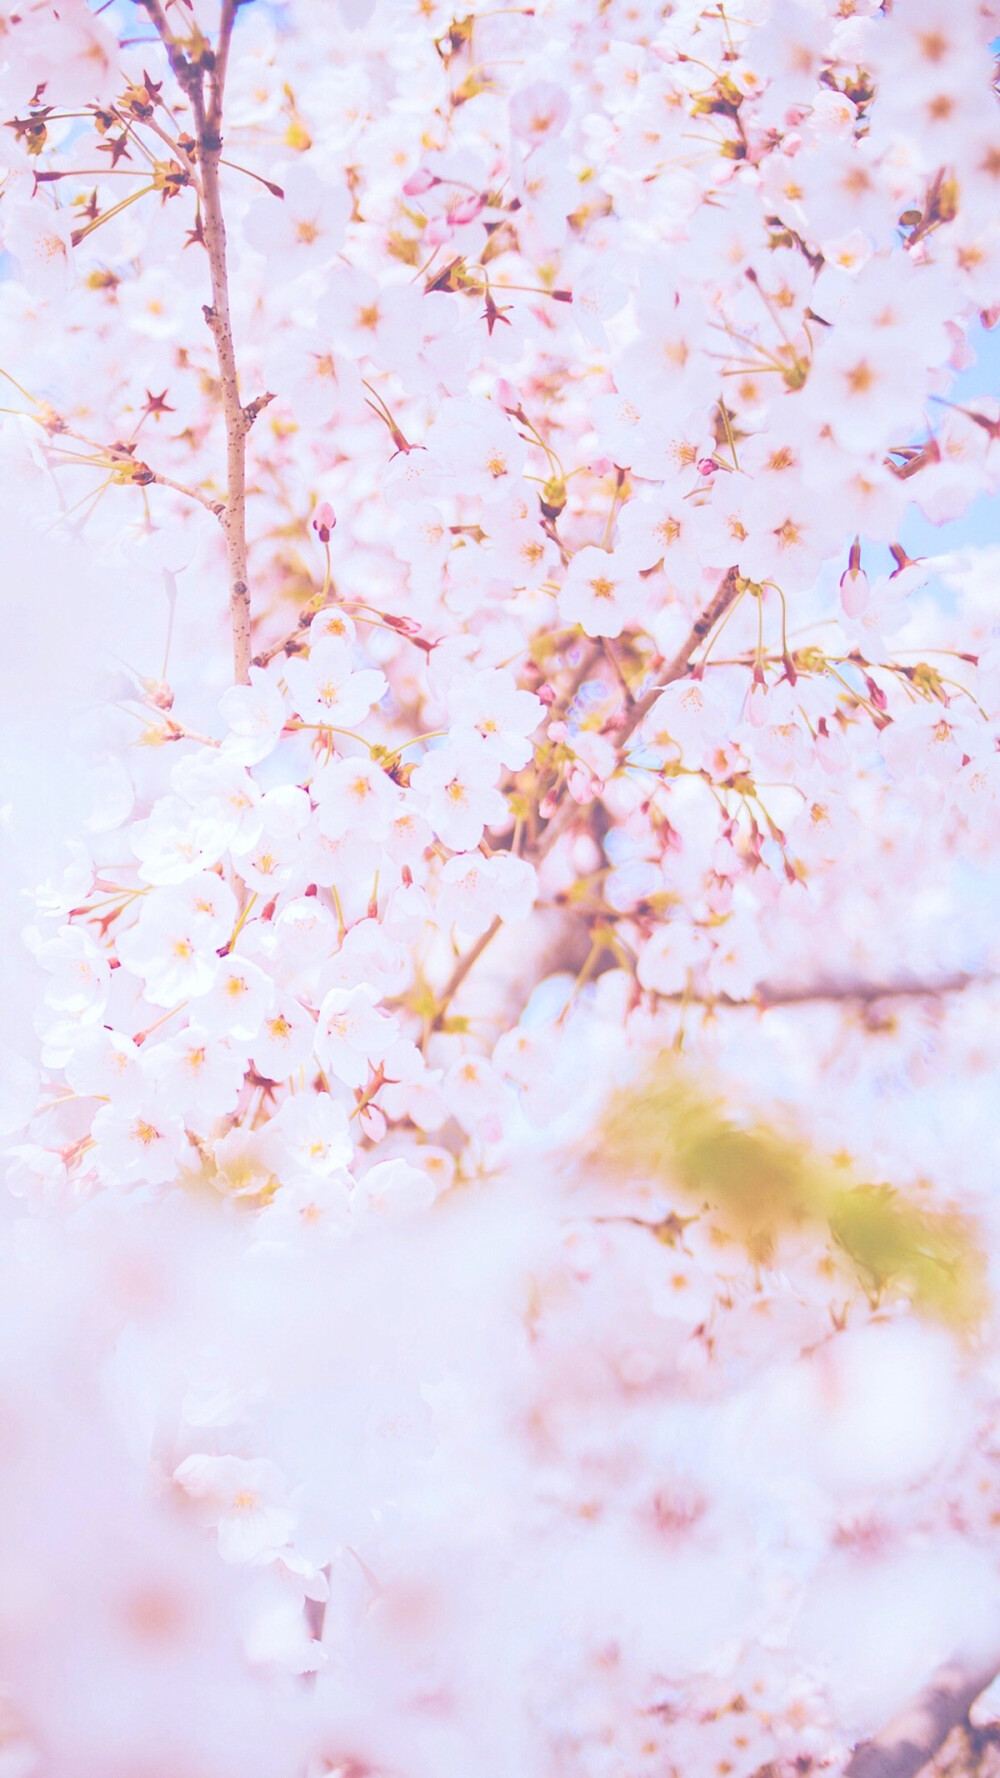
(209, 127)
(238, 420)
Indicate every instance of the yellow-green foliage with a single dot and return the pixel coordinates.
(760, 1184)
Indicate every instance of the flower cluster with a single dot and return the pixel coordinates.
(557, 395)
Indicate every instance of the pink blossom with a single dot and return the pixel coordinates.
(539, 111)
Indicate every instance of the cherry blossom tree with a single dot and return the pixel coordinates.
(501, 1218)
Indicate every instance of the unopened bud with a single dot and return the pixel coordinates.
(855, 592)
(372, 1121)
(419, 182)
(546, 694)
(466, 210)
(324, 521)
(552, 498)
(437, 232)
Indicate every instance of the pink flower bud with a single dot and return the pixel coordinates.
(372, 1121)
(324, 521)
(546, 694)
(854, 592)
(757, 710)
(419, 182)
(467, 209)
(707, 466)
(557, 731)
(961, 355)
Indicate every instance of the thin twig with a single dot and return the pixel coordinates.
(461, 970)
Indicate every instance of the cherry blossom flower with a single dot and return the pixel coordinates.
(310, 1137)
(303, 229)
(326, 688)
(174, 943)
(255, 715)
(196, 1075)
(79, 974)
(352, 1034)
(143, 1146)
(244, 1500)
(457, 785)
(601, 591)
(285, 1040)
(539, 111)
(500, 713)
(236, 1003)
(355, 793)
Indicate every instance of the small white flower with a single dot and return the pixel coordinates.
(255, 715)
(459, 786)
(175, 941)
(352, 1035)
(245, 1500)
(284, 1042)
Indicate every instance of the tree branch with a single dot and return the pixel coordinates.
(723, 597)
(865, 992)
(680, 666)
(461, 970)
(912, 1738)
(179, 63)
(859, 993)
(190, 76)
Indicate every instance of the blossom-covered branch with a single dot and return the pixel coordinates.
(596, 700)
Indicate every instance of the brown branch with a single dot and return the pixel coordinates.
(215, 507)
(836, 993)
(220, 323)
(912, 1738)
(680, 666)
(865, 992)
(724, 596)
(190, 76)
(461, 970)
(179, 63)
(226, 23)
